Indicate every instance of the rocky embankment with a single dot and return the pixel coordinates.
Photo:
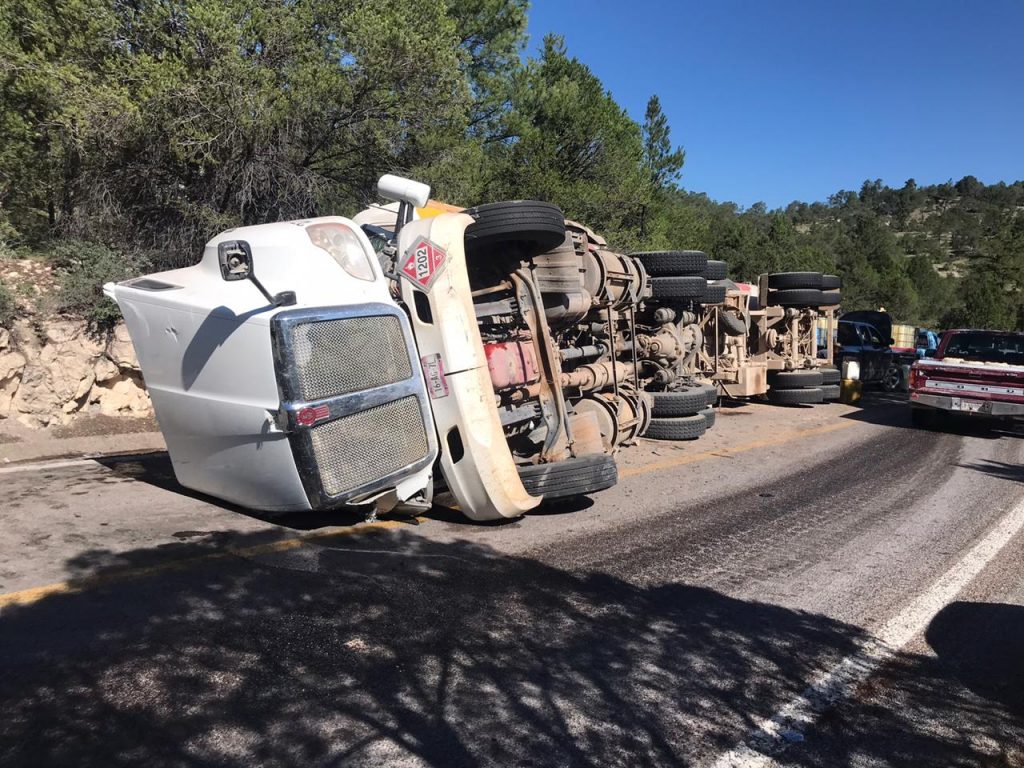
(52, 372)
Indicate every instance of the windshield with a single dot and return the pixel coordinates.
(987, 347)
(848, 335)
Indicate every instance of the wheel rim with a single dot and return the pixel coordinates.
(892, 378)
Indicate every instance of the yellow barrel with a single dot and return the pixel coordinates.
(849, 391)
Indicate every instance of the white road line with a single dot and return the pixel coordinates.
(786, 727)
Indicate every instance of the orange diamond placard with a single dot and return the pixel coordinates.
(424, 261)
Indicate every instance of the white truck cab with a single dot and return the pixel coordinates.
(283, 374)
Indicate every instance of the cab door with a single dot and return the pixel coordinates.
(849, 346)
(879, 352)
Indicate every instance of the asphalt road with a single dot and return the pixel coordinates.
(807, 586)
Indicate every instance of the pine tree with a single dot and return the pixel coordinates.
(664, 164)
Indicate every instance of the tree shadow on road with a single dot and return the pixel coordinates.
(391, 649)
(964, 705)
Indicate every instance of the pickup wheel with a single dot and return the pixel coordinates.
(678, 428)
(796, 297)
(788, 280)
(570, 477)
(684, 402)
(829, 392)
(893, 378)
(531, 225)
(688, 287)
(716, 270)
(672, 263)
(794, 379)
(802, 396)
(714, 293)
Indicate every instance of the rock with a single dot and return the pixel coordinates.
(120, 349)
(11, 366)
(123, 397)
(24, 336)
(5, 338)
(63, 331)
(35, 402)
(49, 380)
(105, 370)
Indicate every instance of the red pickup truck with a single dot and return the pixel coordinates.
(973, 371)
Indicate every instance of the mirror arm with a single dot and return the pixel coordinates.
(282, 299)
(404, 216)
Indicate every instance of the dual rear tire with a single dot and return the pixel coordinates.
(803, 289)
(684, 276)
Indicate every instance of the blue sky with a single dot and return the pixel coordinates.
(781, 100)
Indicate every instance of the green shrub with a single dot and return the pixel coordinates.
(84, 268)
(7, 307)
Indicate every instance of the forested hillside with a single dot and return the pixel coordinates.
(131, 132)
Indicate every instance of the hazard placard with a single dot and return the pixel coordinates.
(424, 261)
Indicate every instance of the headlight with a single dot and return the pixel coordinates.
(344, 247)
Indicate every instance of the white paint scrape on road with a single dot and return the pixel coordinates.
(787, 726)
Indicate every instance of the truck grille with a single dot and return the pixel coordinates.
(335, 357)
(353, 400)
(356, 449)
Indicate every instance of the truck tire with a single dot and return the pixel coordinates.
(892, 379)
(830, 375)
(795, 379)
(570, 477)
(714, 293)
(732, 324)
(796, 297)
(535, 226)
(677, 428)
(709, 417)
(829, 392)
(672, 263)
(802, 396)
(831, 282)
(716, 270)
(712, 393)
(689, 287)
(831, 298)
(685, 402)
(788, 280)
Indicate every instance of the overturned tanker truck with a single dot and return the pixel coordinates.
(498, 352)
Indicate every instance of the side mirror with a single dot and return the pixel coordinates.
(930, 352)
(235, 259)
(407, 192)
(891, 341)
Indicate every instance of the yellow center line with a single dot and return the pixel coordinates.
(73, 586)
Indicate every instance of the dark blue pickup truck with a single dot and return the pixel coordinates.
(866, 337)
